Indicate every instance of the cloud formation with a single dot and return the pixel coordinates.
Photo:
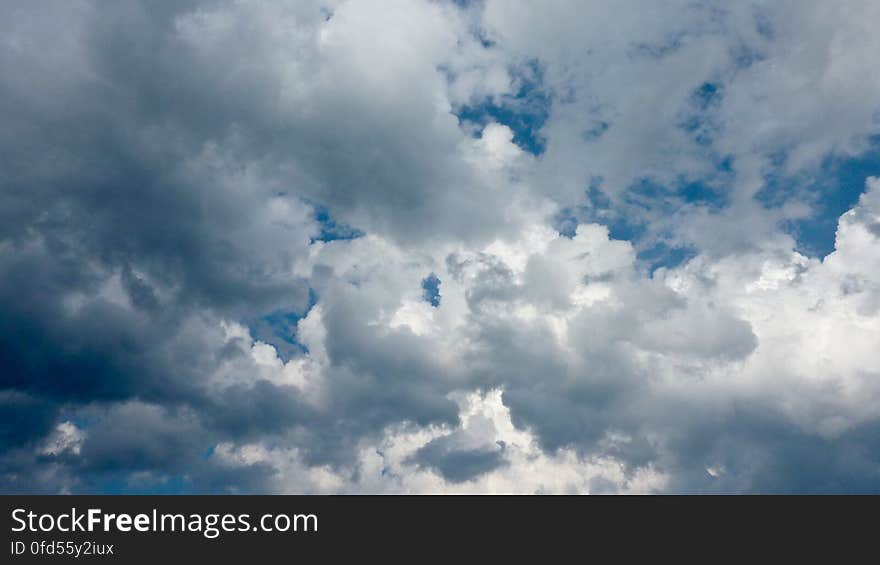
(421, 246)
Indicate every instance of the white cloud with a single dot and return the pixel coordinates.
(65, 438)
(593, 392)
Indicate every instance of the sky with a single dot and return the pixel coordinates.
(406, 246)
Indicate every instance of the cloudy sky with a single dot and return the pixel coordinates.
(433, 246)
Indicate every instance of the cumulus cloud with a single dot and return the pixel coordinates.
(407, 247)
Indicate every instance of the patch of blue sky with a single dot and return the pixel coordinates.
(629, 218)
(431, 290)
(278, 329)
(664, 255)
(650, 199)
(330, 229)
(652, 196)
(830, 191)
(698, 120)
(598, 208)
(524, 112)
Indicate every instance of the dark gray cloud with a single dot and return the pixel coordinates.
(123, 239)
(458, 464)
(756, 451)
